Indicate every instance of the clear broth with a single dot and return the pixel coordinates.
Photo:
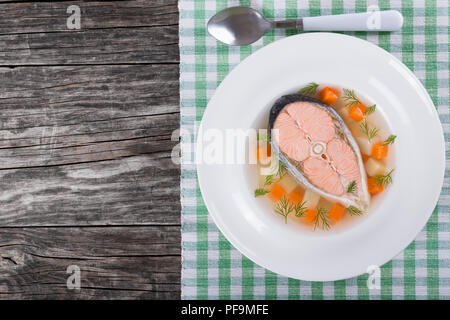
(376, 119)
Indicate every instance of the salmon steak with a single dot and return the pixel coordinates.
(317, 148)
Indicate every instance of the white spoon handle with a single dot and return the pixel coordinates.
(389, 20)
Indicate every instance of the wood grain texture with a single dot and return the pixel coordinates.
(135, 190)
(51, 16)
(63, 115)
(86, 175)
(111, 33)
(121, 262)
(104, 46)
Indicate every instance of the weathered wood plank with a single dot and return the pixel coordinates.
(134, 190)
(51, 16)
(71, 140)
(119, 262)
(62, 115)
(109, 46)
(111, 32)
(86, 175)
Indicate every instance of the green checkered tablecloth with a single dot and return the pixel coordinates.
(211, 267)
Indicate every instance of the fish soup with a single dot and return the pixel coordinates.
(327, 157)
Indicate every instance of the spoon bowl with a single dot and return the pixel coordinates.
(238, 26)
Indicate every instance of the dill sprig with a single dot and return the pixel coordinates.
(351, 187)
(390, 140)
(272, 177)
(263, 136)
(300, 209)
(309, 89)
(269, 180)
(354, 211)
(321, 219)
(281, 169)
(385, 179)
(369, 132)
(284, 207)
(370, 109)
(350, 97)
(260, 192)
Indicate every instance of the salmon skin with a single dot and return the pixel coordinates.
(313, 142)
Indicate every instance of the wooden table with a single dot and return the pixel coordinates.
(85, 157)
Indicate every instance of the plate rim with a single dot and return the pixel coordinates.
(242, 247)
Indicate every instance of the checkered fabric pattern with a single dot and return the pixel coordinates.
(211, 267)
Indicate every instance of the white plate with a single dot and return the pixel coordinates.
(243, 100)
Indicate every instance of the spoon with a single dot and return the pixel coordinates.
(243, 25)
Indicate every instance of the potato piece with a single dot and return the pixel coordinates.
(311, 198)
(272, 168)
(288, 183)
(325, 204)
(374, 167)
(364, 145)
(354, 128)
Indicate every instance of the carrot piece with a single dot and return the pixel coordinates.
(277, 192)
(263, 151)
(356, 112)
(373, 187)
(336, 212)
(328, 95)
(295, 196)
(379, 151)
(310, 214)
